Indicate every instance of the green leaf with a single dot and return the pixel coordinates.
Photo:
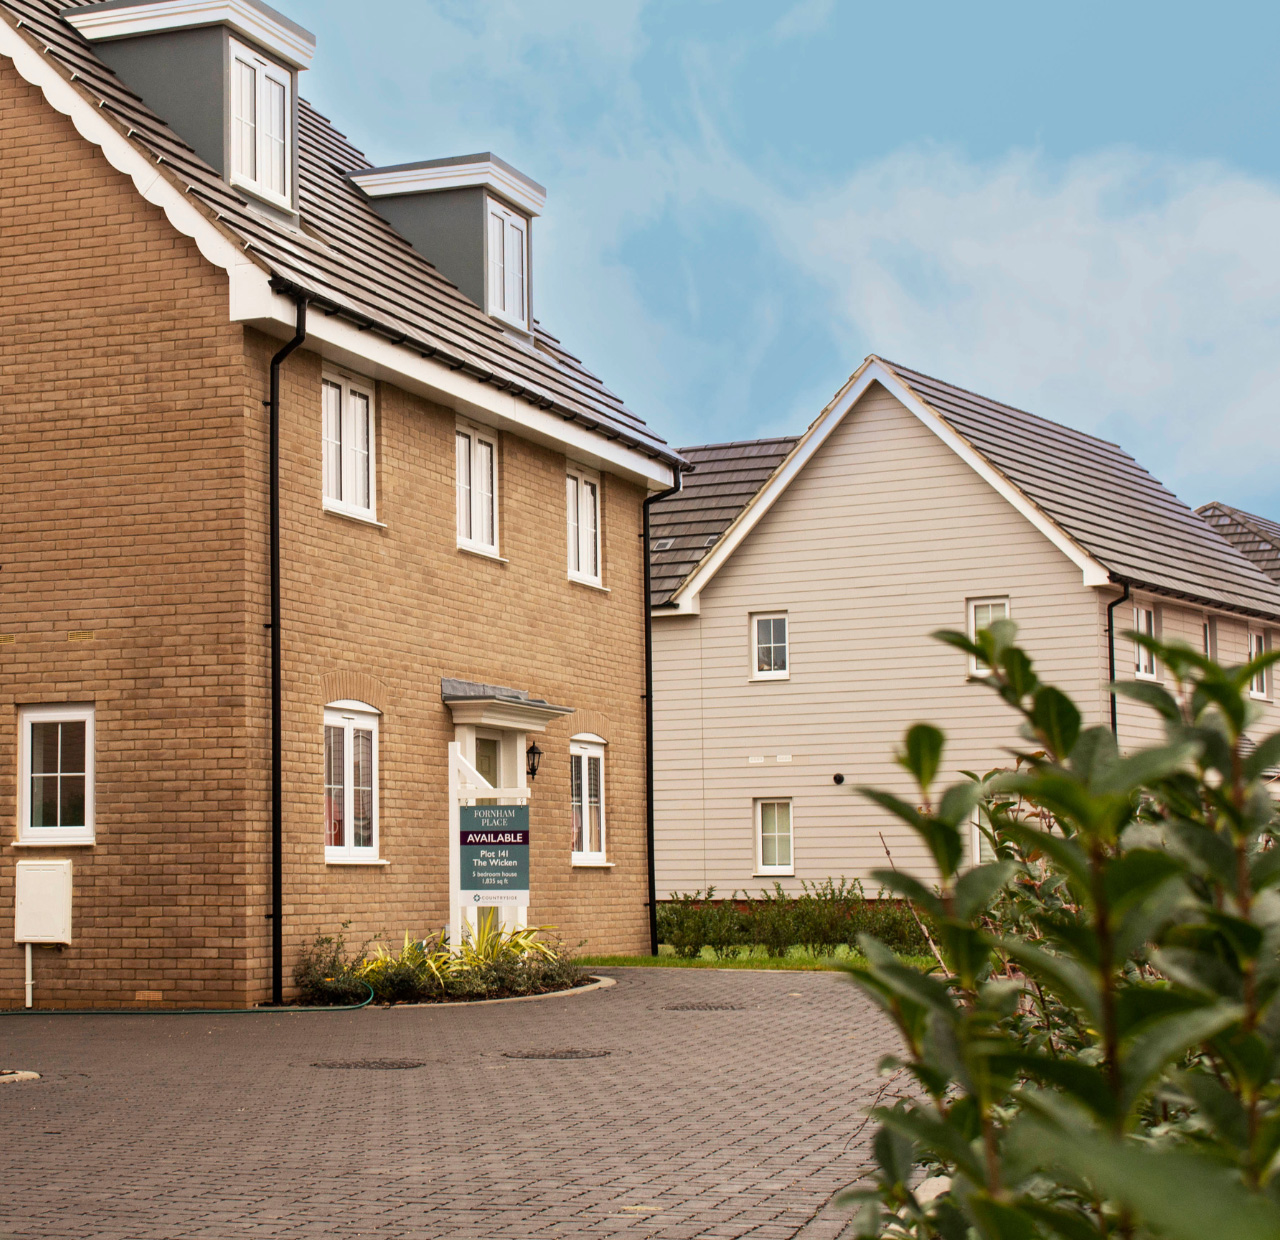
(1081, 1081)
(922, 753)
(958, 803)
(979, 886)
(1150, 694)
(896, 806)
(1147, 766)
(1056, 718)
(912, 888)
(1218, 1107)
(1068, 855)
(1018, 671)
(1151, 1052)
(1267, 754)
(1069, 980)
(1094, 750)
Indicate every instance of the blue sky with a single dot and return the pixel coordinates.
(1075, 209)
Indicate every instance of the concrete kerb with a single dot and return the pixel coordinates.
(597, 983)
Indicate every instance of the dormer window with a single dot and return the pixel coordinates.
(261, 107)
(508, 265)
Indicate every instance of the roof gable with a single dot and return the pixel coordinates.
(1088, 497)
(345, 256)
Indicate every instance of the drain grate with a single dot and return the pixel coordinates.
(704, 1007)
(376, 1065)
(555, 1054)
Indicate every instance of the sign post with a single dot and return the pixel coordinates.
(488, 850)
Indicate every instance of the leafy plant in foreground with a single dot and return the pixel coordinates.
(1101, 1056)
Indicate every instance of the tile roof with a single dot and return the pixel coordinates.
(1092, 490)
(1254, 536)
(345, 254)
(683, 528)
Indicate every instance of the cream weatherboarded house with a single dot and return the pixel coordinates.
(796, 583)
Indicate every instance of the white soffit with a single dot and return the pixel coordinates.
(125, 19)
(873, 370)
(462, 173)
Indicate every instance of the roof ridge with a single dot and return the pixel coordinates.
(1247, 519)
(738, 443)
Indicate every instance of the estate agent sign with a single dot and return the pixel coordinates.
(493, 846)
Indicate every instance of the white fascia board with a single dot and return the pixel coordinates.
(255, 304)
(269, 30)
(392, 182)
(685, 599)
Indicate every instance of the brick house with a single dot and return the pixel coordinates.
(461, 514)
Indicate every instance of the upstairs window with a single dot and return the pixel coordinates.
(1258, 681)
(261, 124)
(508, 265)
(586, 802)
(1144, 660)
(55, 789)
(983, 613)
(770, 648)
(583, 506)
(348, 431)
(350, 783)
(477, 490)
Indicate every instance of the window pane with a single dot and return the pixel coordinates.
(464, 485)
(44, 800)
(590, 528)
(362, 788)
(484, 493)
(274, 103)
(575, 798)
(575, 547)
(334, 826)
(595, 809)
(784, 833)
(44, 748)
(71, 801)
(771, 644)
(497, 265)
(331, 417)
(360, 454)
(246, 120)
(72, 760)
(775, 833)
(515, 271)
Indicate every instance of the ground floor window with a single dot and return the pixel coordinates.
(55, 781)
(773, 837)
(586, 799)
(350, 782)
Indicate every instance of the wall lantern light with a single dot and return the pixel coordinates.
(533, 760)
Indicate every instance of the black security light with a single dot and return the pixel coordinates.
(532, 760)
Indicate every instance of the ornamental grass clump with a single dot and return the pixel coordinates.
(1100, 1056)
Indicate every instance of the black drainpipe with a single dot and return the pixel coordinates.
(277, 800)
(1111, 640)
(648, 719)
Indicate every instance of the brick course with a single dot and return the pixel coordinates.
(134, 452)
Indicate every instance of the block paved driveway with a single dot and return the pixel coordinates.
(697, 1124)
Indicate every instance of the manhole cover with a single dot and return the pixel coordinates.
(704, 1007)
(555, 1054)
(377, 1065)
(16, 1074)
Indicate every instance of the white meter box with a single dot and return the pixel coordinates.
(42, 910)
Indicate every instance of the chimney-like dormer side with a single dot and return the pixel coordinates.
(471, 216)
(222, 73)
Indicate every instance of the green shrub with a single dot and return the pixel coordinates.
(890, 921)
(682, 923)
(724, 928)
(771, 922)
(1100, 1057)
(822, 914)
(325, 975)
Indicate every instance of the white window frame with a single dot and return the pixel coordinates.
(468, 541)
(507, 284)
(582, 546)
(51, 713)
(976, 666)
(340, 458)
(264, 71)
(1146, 622)
(1210, 637)
(1259, 683)
(763, 870)
(350, 715)
(754, 638)
(581, 753)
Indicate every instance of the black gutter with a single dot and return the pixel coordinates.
(277, 796)
(648, 717)
(1111, 641)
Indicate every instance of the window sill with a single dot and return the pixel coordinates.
(591, 585)
(484, 553)
(767, 680)
(774, 874)
(355, 861)
(1258, 697)
(73, 843)
(353, 515)
(590, 863)
(254, 190)
(1151, 676)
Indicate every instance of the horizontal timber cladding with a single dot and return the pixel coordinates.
(877, 543)
(134, 460)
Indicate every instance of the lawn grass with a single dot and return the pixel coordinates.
(798, 960)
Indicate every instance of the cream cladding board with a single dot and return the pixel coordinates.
(878, 542)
